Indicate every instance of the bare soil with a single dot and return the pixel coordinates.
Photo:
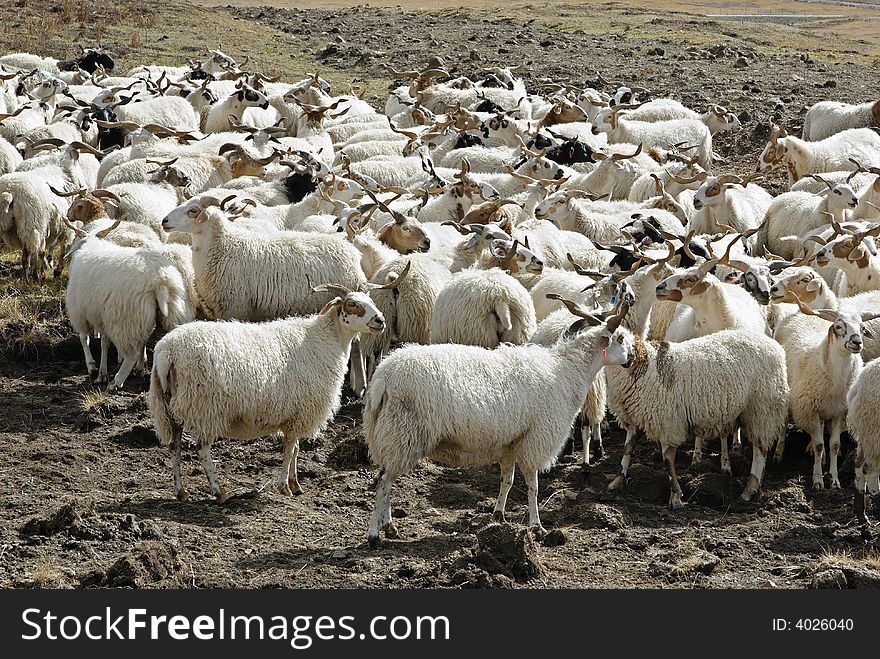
(85, 491)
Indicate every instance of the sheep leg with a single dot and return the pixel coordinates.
(624, 462)
(697, 457)
(817, 437)
(597, 435)
(834, 446)
(381, 510)
(288, 484)
(531, 476)
(780, 449)
(736, 443)
(859, 500)
(208, 466)
(102, 371)
(176, 440)
(356, 368)
(873, 482)
(87, 351)
(759, 460)
(585, 438)
(675, 501)
(124, 371)
(725, 456)
(507, 470)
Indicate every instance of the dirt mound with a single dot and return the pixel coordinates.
(82, 522)
(145, 565)
(349, 454)
(508, 550)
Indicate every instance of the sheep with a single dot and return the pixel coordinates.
(483, 308)
(29, 62)
(827, 118)
(660, 134)
(832, 154)
(806, 284)
(855, 253)
(823, 360)
(792, 216)
(711, 305)
(120, 292)
(716, 117)
(218, 117)
(172, 111)
(246, 276)
(863, 402)
(671, 389)
(245, 380)
(732, 201)
(432, 401)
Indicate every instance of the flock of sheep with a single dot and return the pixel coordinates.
(542, 257)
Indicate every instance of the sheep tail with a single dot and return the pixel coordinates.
(502, 311)
(159, 398)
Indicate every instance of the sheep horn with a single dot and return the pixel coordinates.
(623, 156)
(101, 192)
(103, 233)
(337, 289)
(394, 283)
(571, 305)
(616, 319)
(68, 194)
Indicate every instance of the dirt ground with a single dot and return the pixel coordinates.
(85, 491)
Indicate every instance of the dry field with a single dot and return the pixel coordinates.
(85, 491)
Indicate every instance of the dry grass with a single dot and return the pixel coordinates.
(92, 401)
(47, 575)
(842, 558)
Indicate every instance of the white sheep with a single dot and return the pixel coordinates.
(121, 293)
(822, 357)
(835, 153)
(827, 118)
(793, 216)
(863, 404)
(468, 406)
(730, 201)
(245, 380)
(482, 308)
(246, 276)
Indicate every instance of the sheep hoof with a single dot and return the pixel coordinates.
(111, 387)
(284, 489)
(616, 483)
(222, 496)
(727, 470)
(697, 458)
(835, 484)
(183, 495)
(675, 502)
(777, 457)
(93, 374)
(295, 487)
(102, 379)
(818, 485)
(859, 507)
(373, 541)
(391, 531)
(498, 516)
(539, 532)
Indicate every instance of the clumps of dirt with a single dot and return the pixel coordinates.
(508, 550)
(471, 576)
(139, 436)
(83, 522)
(713, 489)
(351, 453)
(685, 562)
(833, 578)
(146, 564)
(97, 409)
(600, 516)
(791, 497)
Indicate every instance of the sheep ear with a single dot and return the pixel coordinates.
(382, 234)
(335, 302)
(700, 288)
(813, 285)
(575, 327)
